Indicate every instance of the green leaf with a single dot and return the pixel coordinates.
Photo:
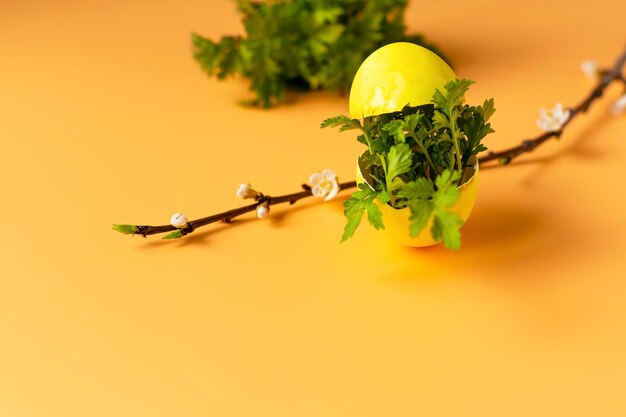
(341, 121)
(446, 179)
(446, 226)
(395, 185)
(353, 223)
(398, 161)
(363, 192)
(446, 197)
(420, 189)
(396, 129)
(454, 94)
(374, 216)
(330, 33)
(323, 15)
(126, 229)
(473, 123)
(384, 197)
(421, 211)
(488, 109)
(439, 100)
(221, 58)
(447, 192)
(206, 52)
(456, 91)
(361, 201)
(411, 121)
(174, 235)
(440, 120)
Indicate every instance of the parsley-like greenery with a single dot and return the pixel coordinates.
(416, 159)
(304, 44)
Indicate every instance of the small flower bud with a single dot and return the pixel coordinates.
(246, 191)
(589, 67)
(619, 107)
(178, 220)
(552, 120)
(262, 210)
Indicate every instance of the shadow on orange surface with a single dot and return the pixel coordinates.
(499, 225)
(495, 238)
(498, 238)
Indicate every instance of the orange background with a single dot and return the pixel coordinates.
(105, 118)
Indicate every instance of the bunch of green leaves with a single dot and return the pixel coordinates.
(303, 44)
(415, 159)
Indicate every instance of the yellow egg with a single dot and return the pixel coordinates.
(397, 221)
(392, 77)
(395, 75)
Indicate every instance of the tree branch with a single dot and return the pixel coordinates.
(504, 157)
(529, 145)
(226, 216)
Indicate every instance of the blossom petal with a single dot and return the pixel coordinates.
(317, 191)
(315, 178)
(553, 120)
(329, 173)
(589, 67)
(619, 107)
(332, 192)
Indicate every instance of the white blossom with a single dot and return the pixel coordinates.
(554, 119)
(619, 107)
(324, 184)
(178, 220)
(589, 67)
(246, 191)
(262, 210)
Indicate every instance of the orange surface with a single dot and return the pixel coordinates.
(105, 118)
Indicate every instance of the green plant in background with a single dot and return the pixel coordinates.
(416, 159)
(303, 44)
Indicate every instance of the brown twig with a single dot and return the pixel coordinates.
(529, 145)
(227, 216)
(504, 157)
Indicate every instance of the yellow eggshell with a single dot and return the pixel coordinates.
(397, 222)
(395, 75)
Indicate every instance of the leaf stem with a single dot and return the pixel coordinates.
(423, 148)
(457, 148)
(387, 182)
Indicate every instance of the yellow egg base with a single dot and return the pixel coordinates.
(397, 222)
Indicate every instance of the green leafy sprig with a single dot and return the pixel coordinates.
(303, 44)
(416, 159)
